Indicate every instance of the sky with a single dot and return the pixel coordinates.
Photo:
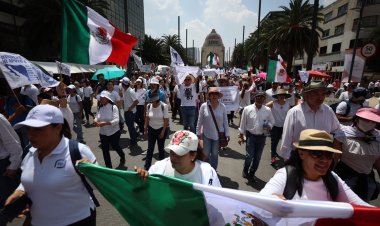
(199, 17)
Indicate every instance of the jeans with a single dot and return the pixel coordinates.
(153, 136)
(129, 118)
(254, 148)
(211, 151)
(177, 108)
(140, 117)
(275, 136)
(189, 117)
(113, 140)
(78, 126)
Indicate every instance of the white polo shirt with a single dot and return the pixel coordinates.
(57, 192)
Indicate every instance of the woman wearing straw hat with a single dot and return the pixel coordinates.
(308, 172)
(212, 119)
(279, 106)
(360, 144)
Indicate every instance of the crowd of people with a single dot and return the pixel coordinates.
(333, 148)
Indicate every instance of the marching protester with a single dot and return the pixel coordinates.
(88, 95)
(107, 119)
(245, 96)
(346, 95)
(312, 113)
(155, 127)
(346, 110)
(212, 126)
(256, 121)
(130, 102)
(76, 106)
(189, 100)
(272, 91)
(309, 170)
(10, 160)
(279, 107)
(116, 100)
(224, 82)
(185, 161)
(141, 97)
(177, 103)
(360, 146)
(56, 191)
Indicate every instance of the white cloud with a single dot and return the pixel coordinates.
(232, 10)
(197, 31)
(168, 6)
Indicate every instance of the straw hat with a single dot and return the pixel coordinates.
(215, 90)
(318, 140)
(281, 92)
(314, 86)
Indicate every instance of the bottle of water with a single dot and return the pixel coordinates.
(266, 128)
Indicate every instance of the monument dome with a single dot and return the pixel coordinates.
(213, 44)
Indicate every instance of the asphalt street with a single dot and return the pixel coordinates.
(229, 169)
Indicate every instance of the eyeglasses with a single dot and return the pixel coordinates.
(319, 154)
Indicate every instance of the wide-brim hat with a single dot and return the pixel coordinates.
(154, 81)
(281, 92)
(40, 116)
(107, 95)
(371, 114)
(314, 86)
(183, 142)
(318, 140)
(215, 90)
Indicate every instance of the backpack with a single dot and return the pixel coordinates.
(291, 182)
(348, 108)
(75, 156)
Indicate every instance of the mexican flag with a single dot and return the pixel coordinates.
(164, 201)
(277, 71)
(89, 38)
(213, 59)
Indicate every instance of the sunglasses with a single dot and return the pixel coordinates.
(320, 154)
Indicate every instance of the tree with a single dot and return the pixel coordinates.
(174, 42)
(237, 56)
(152, 50)
(292, 30)
(42, 29)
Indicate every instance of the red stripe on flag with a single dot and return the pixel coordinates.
(363, 216)
(122, 44)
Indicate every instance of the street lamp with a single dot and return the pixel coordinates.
(356, 39)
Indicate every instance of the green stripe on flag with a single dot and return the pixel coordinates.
(159, 200)
(271, 73)
(75, 33)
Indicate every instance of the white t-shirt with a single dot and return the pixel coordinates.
(87, 91)
(177, 91)
(188, 95)
(156, 115)
(279, 112)
(73, 102)
(129, 97)
(115, 96)
(68, 115)
(141, 96)
(108, 113)
(269, 95)
(312, 190)
(57, 192)
(345, 96)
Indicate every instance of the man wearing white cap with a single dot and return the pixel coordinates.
(130, 102)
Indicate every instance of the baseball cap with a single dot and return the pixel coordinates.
(182, 142)
(71, 86)
(154, 81)
(40, 116)
(369, 114)
(125, 81)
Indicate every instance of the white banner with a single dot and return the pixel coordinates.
(144, 68)
(63, 68)
(181, 72)
(18, 72)
(175, 57)
(230, 97)
(138, 61)
(358, 68)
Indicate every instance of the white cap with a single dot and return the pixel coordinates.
(138, 80)
(154, 81)
(40, 116)
(183, 142)
(71, 87)
(107, 95)
(125, 81)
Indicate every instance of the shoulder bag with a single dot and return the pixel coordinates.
(223, 142)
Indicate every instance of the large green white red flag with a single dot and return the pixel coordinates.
(89, 38)
(166, 201)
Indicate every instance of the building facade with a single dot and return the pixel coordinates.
(213, 43)
(339, 32)
(193, 54)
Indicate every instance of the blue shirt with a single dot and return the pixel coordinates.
(161, 95)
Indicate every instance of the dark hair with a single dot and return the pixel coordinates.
(65, 131)
(329, 180)
(245, 87)
(200, 154)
